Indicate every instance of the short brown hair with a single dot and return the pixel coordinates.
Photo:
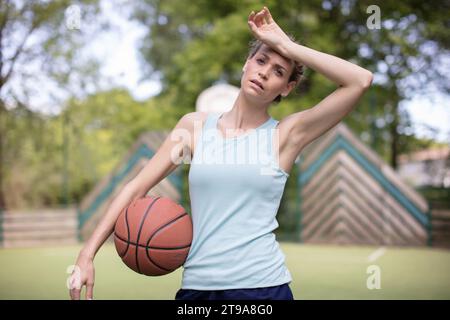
(297, 72)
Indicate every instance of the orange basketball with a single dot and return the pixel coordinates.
(153, 235)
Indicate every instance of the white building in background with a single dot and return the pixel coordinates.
(217, 98)
(430, 167)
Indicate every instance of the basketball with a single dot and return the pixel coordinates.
(153, 235)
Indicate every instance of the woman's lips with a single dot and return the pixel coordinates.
(257, 83)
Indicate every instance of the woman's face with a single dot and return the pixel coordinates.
(266, 75)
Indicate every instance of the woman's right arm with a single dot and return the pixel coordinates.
(165, 160)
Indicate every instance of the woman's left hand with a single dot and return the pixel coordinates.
(266, 29)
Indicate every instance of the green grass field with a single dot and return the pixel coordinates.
(319, 272)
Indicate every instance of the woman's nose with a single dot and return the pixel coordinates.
(263, 73)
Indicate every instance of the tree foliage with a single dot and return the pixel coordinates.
(191, 46)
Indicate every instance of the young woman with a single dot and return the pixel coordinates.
(234, 254)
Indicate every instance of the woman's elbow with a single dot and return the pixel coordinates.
(366, 80)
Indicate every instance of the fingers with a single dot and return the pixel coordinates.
(75, 287)
(251, 23)
(89, 291)
(268, 15)
(261, 18)
(72, 287)
(252, 26)
(251, 18)
(75, 293)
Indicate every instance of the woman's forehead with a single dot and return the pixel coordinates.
(271, 52)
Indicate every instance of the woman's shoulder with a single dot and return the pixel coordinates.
(196, 115)
(191, 119)
(191, 122)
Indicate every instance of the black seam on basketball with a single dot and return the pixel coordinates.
(150, 247)
(128, 234)
(128, 228)
(154, 233)
(140, 229)
(122, 254)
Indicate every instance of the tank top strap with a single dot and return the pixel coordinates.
(211, 121)
(272, 142)
(206, 135)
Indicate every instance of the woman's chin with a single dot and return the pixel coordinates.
(253, 94)
(250, 91)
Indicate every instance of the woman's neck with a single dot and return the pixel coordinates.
(245, 114)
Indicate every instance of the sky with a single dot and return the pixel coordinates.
(118, 51)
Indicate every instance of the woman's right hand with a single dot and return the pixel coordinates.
(82, 275)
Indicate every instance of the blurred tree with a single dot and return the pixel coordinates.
(192, 47)
(103, 127)
(39, 41)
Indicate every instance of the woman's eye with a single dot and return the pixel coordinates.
(278, 72)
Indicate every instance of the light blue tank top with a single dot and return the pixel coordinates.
(235, 187)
